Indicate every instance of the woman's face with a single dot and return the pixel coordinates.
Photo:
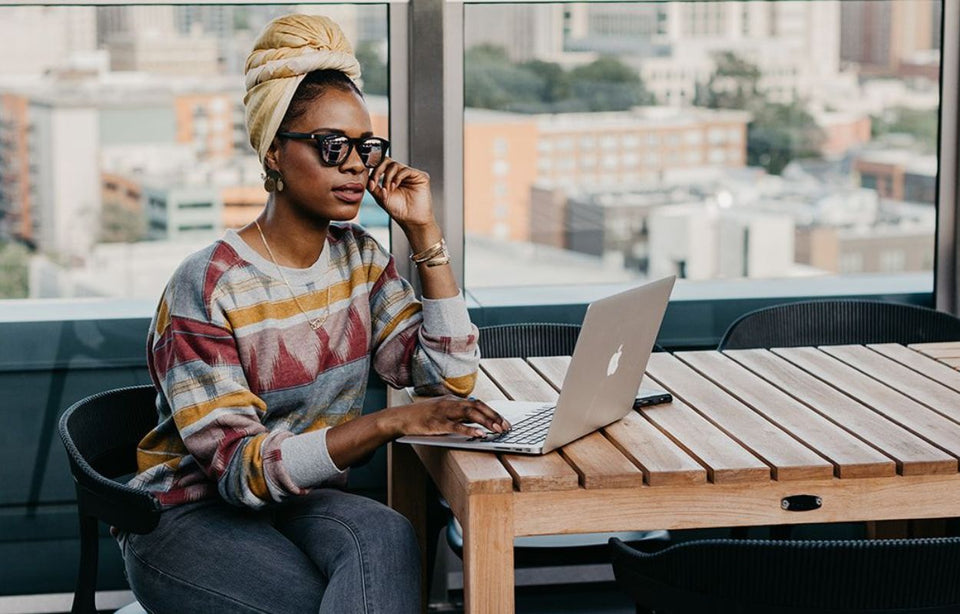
(324, 193)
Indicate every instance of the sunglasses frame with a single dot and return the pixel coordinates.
(352, 144)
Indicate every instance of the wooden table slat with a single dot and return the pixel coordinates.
(937, 345)
(789, 459)
(486, 390)
(912, 454)
(938, 430)
(600, 464)
(530, 472)
(518, 380)
(851, 457)
(597, 462)
(941, 354)
(541, 472)
(924, 365)
(725, 460)
(551, 368)
(662, 461)
(951, 362)
(918, 387)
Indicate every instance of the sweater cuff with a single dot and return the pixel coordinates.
(446, 317)
(306, 459)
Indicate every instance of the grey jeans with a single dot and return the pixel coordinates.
(328, 551)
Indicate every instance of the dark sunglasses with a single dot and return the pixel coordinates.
(335, 148)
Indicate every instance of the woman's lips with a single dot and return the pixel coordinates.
(351, 193)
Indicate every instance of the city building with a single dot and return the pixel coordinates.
(507, 153)
(182, 212)
(883, 36)
(66, 32)
(704, 241)
(164, 53)
(898, 174)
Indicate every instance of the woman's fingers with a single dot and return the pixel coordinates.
(491, 416)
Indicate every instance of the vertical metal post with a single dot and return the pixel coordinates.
(434, 114)
(947, 263)
(398, 40)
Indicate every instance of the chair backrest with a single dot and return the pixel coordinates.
(534, 339)
(101, 434)
(839, 577)
(838, 322)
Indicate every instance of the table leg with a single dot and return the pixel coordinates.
(488, 554)
(407, 494)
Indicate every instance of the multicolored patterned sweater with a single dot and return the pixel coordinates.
(247, 389)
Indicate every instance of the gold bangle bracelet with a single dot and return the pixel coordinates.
(437, 249)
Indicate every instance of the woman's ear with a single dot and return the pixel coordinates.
(272, 159)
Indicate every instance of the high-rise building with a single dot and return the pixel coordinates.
(526, 31)
(67, 31)
(880, 36)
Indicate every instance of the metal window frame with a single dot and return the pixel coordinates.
(947, 257)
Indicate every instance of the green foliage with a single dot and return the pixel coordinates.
(14, 258)
(493, 81)
(777, 133)
(121, 225)
(921, 124)
(780, 133)
(733, 85)
(373, 69)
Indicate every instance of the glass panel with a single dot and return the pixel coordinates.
(123, 146)
(608, 142)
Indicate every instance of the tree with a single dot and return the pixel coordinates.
(777, 133)
(556, 81)
(373, 69)
(14, 259)
(118, 224)
(734, 84)
(492, 81)
(607, 84)
(921, 124)
(780, 133)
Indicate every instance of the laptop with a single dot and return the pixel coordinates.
(601, 383)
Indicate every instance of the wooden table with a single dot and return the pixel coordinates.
(873, 431)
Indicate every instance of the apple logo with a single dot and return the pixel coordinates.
(614, 361)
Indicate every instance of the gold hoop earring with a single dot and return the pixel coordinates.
(273, 180)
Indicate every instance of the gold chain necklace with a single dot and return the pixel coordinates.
(315, 323)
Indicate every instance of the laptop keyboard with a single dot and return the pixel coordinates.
(530, 430)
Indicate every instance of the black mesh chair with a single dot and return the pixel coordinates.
(780, 577)
(544, 339)
(838, 322)
(101, 433)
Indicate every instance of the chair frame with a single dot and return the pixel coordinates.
(837, 322)
(100, 496)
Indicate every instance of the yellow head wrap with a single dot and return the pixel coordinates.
(288, 48)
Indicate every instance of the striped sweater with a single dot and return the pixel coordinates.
(247, 389)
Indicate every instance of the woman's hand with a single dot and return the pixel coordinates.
(403, 192)
(443, 415)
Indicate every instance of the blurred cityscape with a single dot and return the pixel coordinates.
(602, 142)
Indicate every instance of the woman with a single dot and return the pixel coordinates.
(260, 350)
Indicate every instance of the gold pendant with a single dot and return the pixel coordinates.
(316, 323)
